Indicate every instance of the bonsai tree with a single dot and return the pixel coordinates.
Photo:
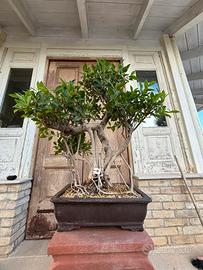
(77, 116)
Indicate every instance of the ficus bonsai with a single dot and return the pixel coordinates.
(77, 116)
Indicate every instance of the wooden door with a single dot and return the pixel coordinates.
(156, 141)
(51, 171)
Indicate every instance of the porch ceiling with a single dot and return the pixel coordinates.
(101, 19)
(191, 47)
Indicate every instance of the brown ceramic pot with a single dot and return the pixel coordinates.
(127, 213)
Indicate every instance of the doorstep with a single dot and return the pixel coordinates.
(100, 249)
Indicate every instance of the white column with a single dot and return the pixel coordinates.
(188, 109)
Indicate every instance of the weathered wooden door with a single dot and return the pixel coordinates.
(156, 141)
(51, 171)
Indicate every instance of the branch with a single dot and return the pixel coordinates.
(71, 157)
(120, 151)
(131, 173)
(66, 129)
(105, 143)
(125, 143)
(104, 121)
(75, 130)
(78, 146)
(90, 132)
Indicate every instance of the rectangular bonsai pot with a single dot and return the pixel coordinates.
(127, 213)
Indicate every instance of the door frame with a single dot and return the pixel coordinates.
(17, 58)
(190, 122)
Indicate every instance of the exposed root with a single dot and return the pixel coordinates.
(100, 191)
(91, 190)
(131, 173)
(79, 189)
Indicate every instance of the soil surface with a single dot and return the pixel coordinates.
(90, 191)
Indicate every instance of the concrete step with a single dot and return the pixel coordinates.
(32, 255)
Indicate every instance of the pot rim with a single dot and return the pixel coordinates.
(145, 199)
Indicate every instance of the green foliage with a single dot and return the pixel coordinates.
(65, 105)
(106, 84)
(73, 141)
(101, 92)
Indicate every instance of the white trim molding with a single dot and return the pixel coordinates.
(192, 16)
(188, 109)
(31, 135)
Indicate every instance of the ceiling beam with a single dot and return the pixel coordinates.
(23, 15)
(198, 100)
(195, 76)
(141, 18)
(197, 92)
(82, 10)
(197, 52)
(198, 96)
(191, 17)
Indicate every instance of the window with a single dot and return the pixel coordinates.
(19, 80)
(151, 76)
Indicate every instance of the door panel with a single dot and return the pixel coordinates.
(155, 143)
(52, 171)
(158, 154)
